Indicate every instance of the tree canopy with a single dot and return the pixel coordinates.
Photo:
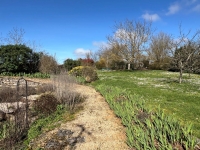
(18, 58)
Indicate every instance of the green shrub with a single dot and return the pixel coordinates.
(87, 72)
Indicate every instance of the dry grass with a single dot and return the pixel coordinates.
(60, 90)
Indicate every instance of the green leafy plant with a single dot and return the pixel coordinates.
(147, 129)
(158, 87)
(47, 123)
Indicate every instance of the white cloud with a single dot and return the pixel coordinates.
(80, 52)
(99, 44)
(197, 8)
(151, 17)
(173, 9)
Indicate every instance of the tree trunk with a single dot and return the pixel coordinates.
(181, 72)
(129, 66)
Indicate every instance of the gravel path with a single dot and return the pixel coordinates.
(100, 128)
(95, 128)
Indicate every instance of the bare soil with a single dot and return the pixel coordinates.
(95, 128)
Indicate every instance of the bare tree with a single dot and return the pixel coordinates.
(105, 54)
(15, 36)
(183, 52)
(131, 37)
(92, 55)
(193, 62)
(160, 47)
(1, 39)
(33, 45)
(48, 64)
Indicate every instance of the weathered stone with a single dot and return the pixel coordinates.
(11, 107)
(88, 79)
(62, 134)
(2, 116)
(72, 141)
(10, 117)
(53, 145)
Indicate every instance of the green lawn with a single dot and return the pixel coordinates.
(161, 88)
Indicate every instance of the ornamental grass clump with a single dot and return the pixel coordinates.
(147, 129)
(64, 86)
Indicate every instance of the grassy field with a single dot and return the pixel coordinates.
(161, 88)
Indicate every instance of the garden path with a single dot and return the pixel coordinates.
(95, 128)
(100, 127)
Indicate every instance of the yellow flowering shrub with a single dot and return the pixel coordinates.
(87, 72)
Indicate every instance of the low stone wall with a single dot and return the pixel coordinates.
(11, 81)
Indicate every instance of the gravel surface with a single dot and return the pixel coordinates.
(95, 128)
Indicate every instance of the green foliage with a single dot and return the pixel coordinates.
(6, 128)
(18, 58)
(70, 63)
(87, 72)
(161, 88)
(46, 123)
(118, 65)
(29, 75)
(146, 129)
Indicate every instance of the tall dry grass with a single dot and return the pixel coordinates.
(64, 88)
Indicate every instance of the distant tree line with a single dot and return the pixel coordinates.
(69, 63)
(135, 45)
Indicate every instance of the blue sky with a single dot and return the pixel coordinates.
(69, 28)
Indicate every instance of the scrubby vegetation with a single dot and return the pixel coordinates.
(57, 103)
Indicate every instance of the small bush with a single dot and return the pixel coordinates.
(89, 73)
(46, 104)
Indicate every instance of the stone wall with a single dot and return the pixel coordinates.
(11, 81)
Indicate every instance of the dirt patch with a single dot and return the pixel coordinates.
(96, 127)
